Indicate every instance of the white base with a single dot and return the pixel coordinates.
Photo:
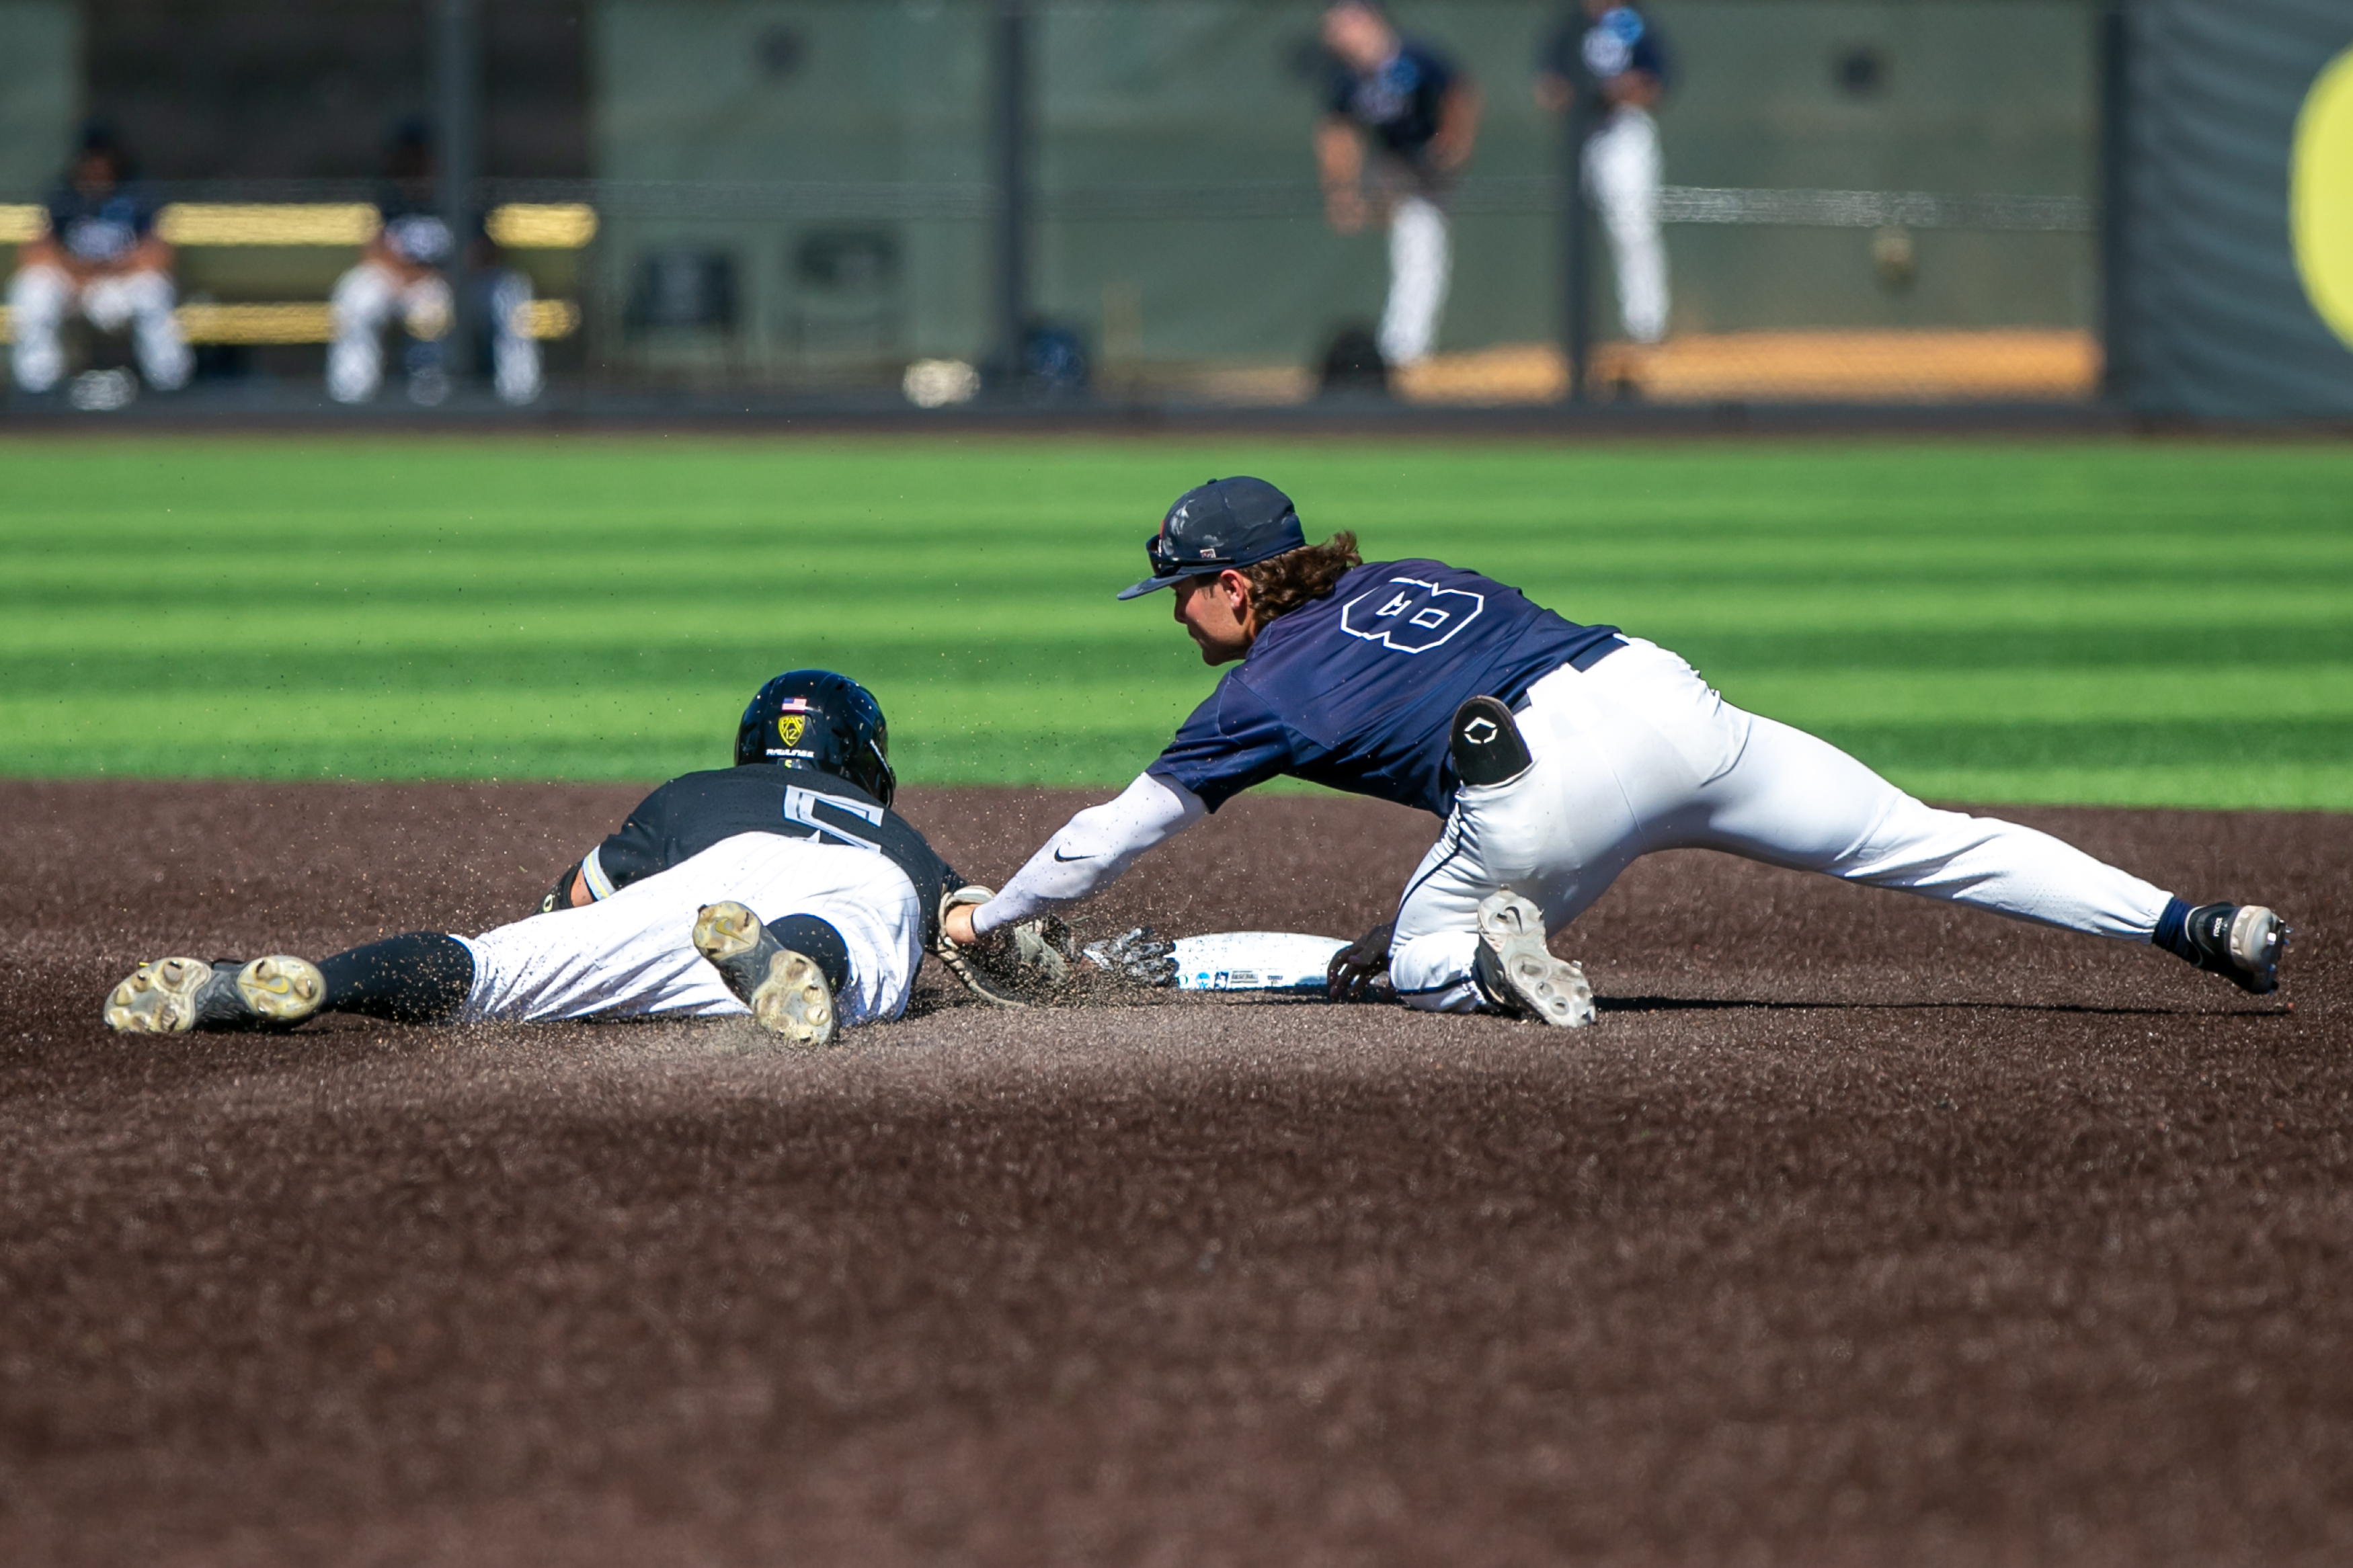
(1254, 961)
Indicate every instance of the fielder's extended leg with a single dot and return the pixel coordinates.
(1638, 754)
(1792, 798)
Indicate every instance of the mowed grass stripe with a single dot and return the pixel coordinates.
(2159, 636)
(1024, 734)
(2274, 669)
(2108, 621)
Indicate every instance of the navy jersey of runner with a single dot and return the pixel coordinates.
(689, 814)
(1590, 53)
(1358, 690)
(1398, 103)
(100, 226)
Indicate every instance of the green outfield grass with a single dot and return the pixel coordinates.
(2108, 622)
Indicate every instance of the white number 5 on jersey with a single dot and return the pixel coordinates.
(800, 806)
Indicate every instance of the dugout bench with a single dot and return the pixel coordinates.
(257, 274)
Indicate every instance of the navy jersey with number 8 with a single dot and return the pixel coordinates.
(1355, 690)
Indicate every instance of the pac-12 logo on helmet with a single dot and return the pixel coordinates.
(827, 722)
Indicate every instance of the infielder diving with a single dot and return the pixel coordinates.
(1554, 753)
(659, 918)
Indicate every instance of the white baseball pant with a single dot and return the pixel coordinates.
(633, 954)
(1622, 167)
(1637, 754)
(369, 295)
(1420, 262)
(40, 299)
(364, 299)
(514, 354)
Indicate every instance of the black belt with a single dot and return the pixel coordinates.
(1597, 653)
(1584, 661)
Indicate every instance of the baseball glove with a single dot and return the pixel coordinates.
(1038, 962)
(1019, 967)
(1360, 971)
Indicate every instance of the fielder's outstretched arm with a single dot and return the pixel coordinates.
(1093, 850)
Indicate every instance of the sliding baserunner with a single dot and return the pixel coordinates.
(784, 886)
(1554, 753)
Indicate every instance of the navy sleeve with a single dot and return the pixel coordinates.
(1437, 72)
(1651, 53)
(1339, 87)
(1232, 741)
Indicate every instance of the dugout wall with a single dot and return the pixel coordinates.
(40, 49)
(800, 191)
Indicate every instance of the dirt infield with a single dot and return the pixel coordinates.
(1860, 1230)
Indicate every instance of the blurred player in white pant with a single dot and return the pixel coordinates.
(404, 277)
(1421, 116)
(101, 256)
(1610, 56)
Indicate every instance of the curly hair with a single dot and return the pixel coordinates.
(1281, 583)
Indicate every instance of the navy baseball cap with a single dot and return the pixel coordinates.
(1226, 523)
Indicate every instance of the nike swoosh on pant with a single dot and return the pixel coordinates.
(1066, 858)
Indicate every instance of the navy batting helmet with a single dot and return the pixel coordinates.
(816, 719)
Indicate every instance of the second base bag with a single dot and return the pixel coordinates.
(1254, 961)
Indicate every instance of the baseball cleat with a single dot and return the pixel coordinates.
(173, 995)
(2241, 942)
(1518, 975)
(785, 990)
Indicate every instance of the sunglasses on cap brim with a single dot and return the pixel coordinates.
(1166, 565)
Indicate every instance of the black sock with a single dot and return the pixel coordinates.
(421, 978)
(817, 941)
(2172, 932)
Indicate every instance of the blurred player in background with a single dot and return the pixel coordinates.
(102, 257)
(1607, 64)
(400, 275)
(405, 274)
(1421, 116)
